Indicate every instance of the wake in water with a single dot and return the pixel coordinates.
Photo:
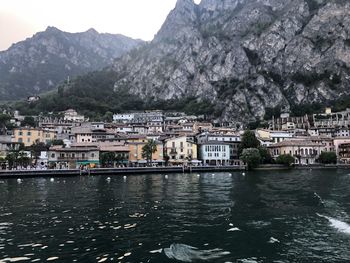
(318, 198)
(337, 224)
(185, 253)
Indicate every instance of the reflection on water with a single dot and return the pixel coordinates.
(185, 253)
(277, 216)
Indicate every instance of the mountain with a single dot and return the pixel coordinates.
(235, 59)
(38, 64)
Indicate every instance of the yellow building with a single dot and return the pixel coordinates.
(28, 136)
(181, 149)
(136, 144)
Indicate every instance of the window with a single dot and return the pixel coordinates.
(29, 133)
(83, 155)
(20, 140)
(92, 155)
(28, 139)
(52, 155)
(20, 133)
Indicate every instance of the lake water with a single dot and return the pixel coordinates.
(273, 216)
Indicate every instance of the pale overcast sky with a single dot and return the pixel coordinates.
(142, 19)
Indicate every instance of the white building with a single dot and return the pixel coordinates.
(268, 137)
(72, 115)
(215, 153)
(123, 117)
(233, 139)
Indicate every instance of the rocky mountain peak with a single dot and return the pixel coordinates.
(247, 56)
(39, 63)
(52, 29)
(179, 22)
(184, 4)
(236, 59)
(92, 31)
(216, 5)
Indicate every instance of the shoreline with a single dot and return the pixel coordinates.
(7, 174)
(114, 171)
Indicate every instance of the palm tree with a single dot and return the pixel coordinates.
(23, 159)
(148, 150)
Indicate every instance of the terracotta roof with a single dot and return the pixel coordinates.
(107, 148)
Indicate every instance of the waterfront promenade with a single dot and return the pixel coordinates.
(115, 171)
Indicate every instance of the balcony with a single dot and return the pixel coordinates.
(313, 155)
(71, 158)
(173, 151)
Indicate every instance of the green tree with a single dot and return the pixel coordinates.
(23, 159)
(55, 142)
(328, 158)
(249, 140)
(251, 157)
(148, 150)
(166, 159)
(4, 122)
(36, 149)
(285, 159)
(28, 121)
(107, 159)
(265, 155)
(11, 159)
(2, 163)
(108, 117)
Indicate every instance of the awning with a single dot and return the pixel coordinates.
(88, 162)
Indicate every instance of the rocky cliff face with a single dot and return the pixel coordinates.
(244, 55)
(39, 63)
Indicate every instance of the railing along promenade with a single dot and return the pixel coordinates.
(114, 171)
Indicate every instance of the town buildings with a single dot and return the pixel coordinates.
(304, 151)
(179, 139)
(28, 136)
(181, 150)
(75, 156)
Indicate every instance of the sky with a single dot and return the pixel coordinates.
(20, 19)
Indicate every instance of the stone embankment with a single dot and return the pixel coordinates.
(115, 171)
